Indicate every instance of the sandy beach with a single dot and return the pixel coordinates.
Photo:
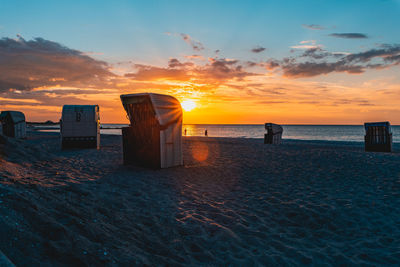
(234, 202)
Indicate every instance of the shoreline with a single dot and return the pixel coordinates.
(285, 141)
(317, 133)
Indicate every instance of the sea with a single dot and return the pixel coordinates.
(352, 133)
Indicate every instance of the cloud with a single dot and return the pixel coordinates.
(307, 44)
(39, 62)
(258, 49)
(194, 57)
(271, 102)
(216, 71)
(390, 53)
(316, 53)
(349, 35)
(60, 75)
(151, 73)
(386, 56)
(175, 63)
(54, 74)
(271, 64)
(252, 64)
(196, 45)
(313, 26)
(224, 69)
(309, 69)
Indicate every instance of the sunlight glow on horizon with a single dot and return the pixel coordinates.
(188, 105)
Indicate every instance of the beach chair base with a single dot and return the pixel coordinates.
(378, 137)
(373, 147)
(79, 142)
(274, 139)
(139, 148)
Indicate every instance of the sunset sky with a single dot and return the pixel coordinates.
(288, 62)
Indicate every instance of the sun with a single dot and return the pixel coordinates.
(188, 105)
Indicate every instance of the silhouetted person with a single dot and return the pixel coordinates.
(206, 133)
(185, 131)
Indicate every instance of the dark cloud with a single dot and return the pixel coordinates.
(317, 61)
(223, 69)
(316, 53)
(258, 49)
(309, 69)
(251, 64)
(387, 52)
(271, 64)
(39, 62)
(175, 63)
(395, 58)
(196, 45)
(313, 26)
(349, 35)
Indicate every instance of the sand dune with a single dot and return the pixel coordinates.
(236, 201)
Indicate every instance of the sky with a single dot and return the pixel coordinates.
(240, 62)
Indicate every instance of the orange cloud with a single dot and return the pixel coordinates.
(195, 57)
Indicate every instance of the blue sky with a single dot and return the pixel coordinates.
(127, 29)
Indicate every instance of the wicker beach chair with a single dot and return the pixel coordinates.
(154, 136)
(274, 134)
(378, 136)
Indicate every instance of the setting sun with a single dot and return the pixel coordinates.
(188, 105)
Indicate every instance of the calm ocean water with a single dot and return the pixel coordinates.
(303, 132)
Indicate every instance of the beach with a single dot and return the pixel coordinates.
(235, 201)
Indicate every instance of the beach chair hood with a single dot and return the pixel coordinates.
(167, 109)
(15, 116)
(154, 137)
